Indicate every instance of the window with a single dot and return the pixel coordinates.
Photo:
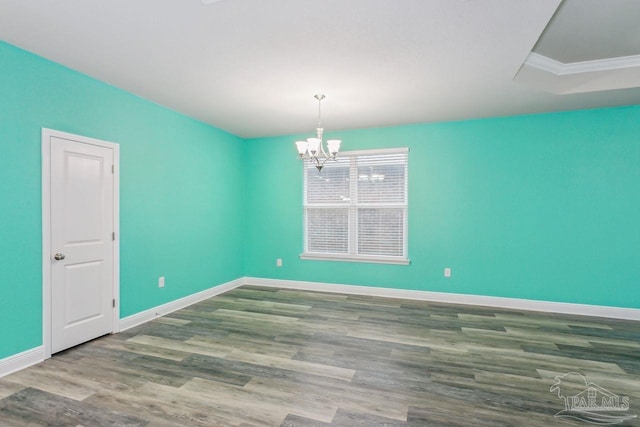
(355, 209)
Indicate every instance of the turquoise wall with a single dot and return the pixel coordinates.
(542, 207)
(181, 198)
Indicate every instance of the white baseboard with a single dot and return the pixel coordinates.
(498, 302)
(164, 309)
(19, 361)
(36, 355)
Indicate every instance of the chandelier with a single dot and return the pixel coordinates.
(313, 148)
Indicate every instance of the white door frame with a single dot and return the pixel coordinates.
(47, 134)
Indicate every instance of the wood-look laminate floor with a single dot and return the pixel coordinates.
(274, 357)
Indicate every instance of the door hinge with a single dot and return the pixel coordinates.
(113, 236)
(113, 301)
(113, 169)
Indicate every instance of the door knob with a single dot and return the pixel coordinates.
(58, 257)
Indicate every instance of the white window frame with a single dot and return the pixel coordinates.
(353, 206)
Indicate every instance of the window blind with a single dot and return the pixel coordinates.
(356, 207)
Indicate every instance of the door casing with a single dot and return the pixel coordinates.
(47, 134)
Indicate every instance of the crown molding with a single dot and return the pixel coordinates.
(563, 69)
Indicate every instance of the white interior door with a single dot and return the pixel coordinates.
(82, 234)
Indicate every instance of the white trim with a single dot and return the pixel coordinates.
(360, 258)
(375, 151)
(23, 360)
(116, 240)
(352, 207)
(164, 309)
(19, 361)
(46, 243)
(47, 134)
(558, 68)
(36, 355)
(498, 302)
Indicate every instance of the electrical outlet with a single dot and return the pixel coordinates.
(447, 272)
(279, 262)
(161, 282)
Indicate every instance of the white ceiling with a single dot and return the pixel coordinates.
(251, 67)
(587, 30)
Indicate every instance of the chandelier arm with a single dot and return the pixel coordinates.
(315, 161)
(315, 156)
(325, 160)
(324, 153)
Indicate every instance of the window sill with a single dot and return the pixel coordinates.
(348, 258)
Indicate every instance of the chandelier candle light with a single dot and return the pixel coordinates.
(313, 148)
